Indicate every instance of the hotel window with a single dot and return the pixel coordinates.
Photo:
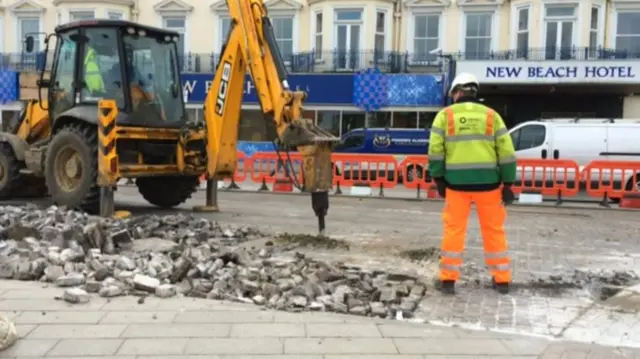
(522, 33)
(379, 50)
(426, 37)
(559, 22)
(628, 33)
(477, 40)
(318, 36)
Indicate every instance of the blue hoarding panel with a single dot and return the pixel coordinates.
(322, 89)
(9, 87)
(251, 147)
(374, 91)
(415, 90)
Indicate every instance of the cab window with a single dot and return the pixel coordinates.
(61, 93)
(100, 58)
(353, 141)
(530, 136)
(152, 69)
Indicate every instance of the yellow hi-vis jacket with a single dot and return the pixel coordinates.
(92, 76)
(470, 145)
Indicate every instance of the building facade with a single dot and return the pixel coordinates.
(366, 30)
(533, 56)
(566, 59)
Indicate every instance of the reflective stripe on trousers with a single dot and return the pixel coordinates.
(492, 215)
(450, 262)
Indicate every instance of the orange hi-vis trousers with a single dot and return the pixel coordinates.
(492, 215)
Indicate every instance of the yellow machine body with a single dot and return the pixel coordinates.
(91, 130)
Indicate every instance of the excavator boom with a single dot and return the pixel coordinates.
(251, 47)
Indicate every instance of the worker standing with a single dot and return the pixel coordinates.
(471, 159)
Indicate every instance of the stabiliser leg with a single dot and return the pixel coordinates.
(320, 205)
(211, 204)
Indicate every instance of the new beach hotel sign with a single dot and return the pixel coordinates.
(553, 72)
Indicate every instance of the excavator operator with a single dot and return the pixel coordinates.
(471, 159)
(92, 75)
(115, 77)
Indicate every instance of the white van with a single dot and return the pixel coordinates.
(579, 140)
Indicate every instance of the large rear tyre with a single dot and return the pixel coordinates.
(167, 191)
(10, 177)
(71, 168)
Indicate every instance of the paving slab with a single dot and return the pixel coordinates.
(266, 335)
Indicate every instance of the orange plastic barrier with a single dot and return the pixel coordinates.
(380, 171)
(242, 168)
(561, 178)
(264, 166)
(548, 177)
(611, 179)
(414, 172)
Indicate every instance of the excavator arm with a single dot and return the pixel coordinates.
(251, 46)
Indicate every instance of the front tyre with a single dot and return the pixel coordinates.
(71, 168)
(167, 191)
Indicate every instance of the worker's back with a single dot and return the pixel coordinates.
(470, 121)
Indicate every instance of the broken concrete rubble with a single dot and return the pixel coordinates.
(179, 254)
(76, 295)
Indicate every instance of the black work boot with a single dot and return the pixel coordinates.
(447, 287)
(502, 288)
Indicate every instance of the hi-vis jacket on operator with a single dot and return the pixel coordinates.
(470, 147)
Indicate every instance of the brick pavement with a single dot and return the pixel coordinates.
(189, 328)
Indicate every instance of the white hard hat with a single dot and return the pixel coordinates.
(464, 79)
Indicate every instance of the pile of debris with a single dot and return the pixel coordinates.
(185, 255)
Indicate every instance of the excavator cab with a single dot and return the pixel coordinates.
(115, 109)
(110, 107)
(135, 65)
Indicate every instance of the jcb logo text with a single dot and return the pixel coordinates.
(224, 86)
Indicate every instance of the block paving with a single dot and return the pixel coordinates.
(191, 328)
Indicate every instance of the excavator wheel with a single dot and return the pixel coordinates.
(71, 168)
(167, 191)
(10, 177)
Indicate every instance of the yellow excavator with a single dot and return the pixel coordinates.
(114, 109)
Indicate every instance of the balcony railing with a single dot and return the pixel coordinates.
(550, 53)
(343, 61)
(351, 61)
(301, 62)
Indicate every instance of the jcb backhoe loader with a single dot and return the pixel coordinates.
(114, 109)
